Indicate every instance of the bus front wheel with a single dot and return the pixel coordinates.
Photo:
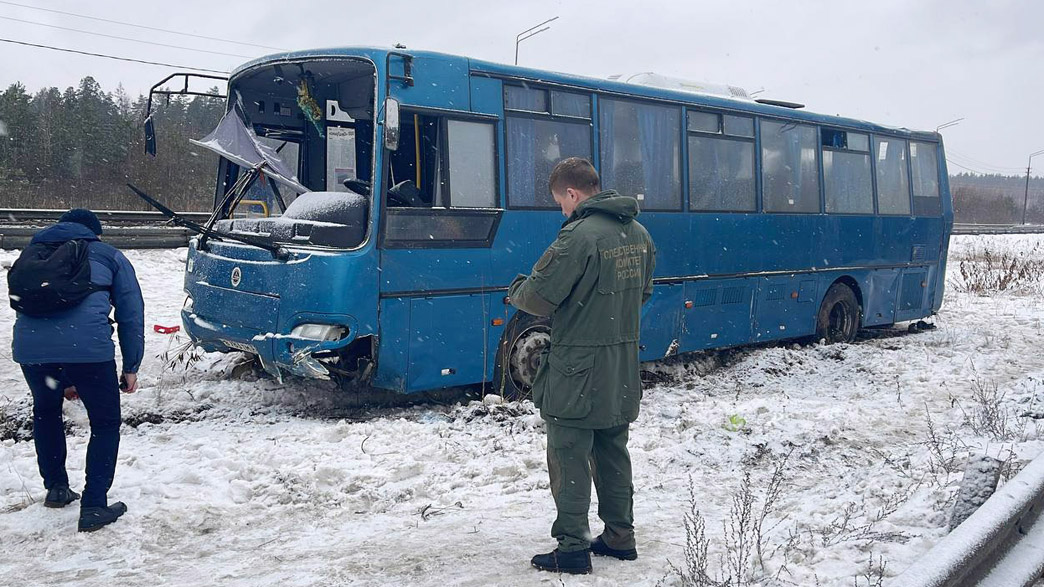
(839, 316)
(520, 354)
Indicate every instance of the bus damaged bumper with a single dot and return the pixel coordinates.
(279, 354)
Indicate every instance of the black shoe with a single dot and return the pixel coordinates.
(574, 563)
(60, 496)
(92, 519)
(599, 547)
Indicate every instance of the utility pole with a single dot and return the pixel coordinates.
(529, 33)
(1025, 198)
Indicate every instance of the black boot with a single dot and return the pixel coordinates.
(599, 547)
(574, 563)
(60, 496)
(94, 518)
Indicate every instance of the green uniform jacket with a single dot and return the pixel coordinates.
(592, 281)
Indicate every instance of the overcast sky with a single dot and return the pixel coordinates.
(917, 64)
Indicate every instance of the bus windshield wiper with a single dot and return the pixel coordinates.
(277, 251)
(230, 201)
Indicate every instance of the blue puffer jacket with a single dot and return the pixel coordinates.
(83, 334)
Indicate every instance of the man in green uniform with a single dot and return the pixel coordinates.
(592, 281)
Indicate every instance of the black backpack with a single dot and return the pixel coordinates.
(51, 277)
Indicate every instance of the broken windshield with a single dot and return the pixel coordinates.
(238, 143)
(294, 128)
(311, 124)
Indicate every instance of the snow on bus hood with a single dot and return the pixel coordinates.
(233, 140)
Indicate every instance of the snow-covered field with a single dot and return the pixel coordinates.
(236, 482)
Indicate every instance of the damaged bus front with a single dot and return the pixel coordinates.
(285, 268)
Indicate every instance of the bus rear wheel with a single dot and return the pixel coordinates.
(839, 316)
(520, 354)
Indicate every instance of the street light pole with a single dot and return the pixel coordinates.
(529, 33)
(1025, 198)
(948, 124)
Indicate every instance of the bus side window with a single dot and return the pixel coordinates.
(540, 133)
(471, 178)
(790, 175)
(925, 165)
(721, 162)
(414, 168)
(640, 152)
(443, 163)
(846, 172)
(893, 186)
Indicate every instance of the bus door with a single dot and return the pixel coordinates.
(440, 216)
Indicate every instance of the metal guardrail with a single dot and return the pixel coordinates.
(28, 215)
(998, 228)
(18, 225)
(138, 237)
(1000, 545)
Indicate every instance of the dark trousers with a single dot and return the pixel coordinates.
(99, 390)
(574, 457)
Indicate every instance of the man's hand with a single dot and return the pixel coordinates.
(70, 393)
(129, 382)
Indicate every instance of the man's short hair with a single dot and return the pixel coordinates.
(576, 173)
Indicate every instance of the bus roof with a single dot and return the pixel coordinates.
(567, 80)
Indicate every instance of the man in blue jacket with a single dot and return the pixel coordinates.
(71, 352)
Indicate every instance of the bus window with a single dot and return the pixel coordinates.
(739, 126)
(525, 99)
(570, 104)
(538, 138)
(789, 173)
(414, 168)
(704, 122)
(893, 186)
(444, 184)
(925, 166)
(721, 168)
(443, 163)
(846, 172)
(471, 177)
(640, 152)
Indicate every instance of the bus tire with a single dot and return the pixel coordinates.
(519, 355)
(839, 315)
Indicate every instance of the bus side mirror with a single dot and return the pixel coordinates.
(150, 137)
(391, 124)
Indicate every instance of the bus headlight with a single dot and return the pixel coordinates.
(324, 332)
(187, 306)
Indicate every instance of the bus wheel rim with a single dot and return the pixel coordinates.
(525, 355)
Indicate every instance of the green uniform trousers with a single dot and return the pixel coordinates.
(573, 456)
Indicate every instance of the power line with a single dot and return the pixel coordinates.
(957, 158)
(112, 57)
(54, 26)
(982, 163)
(952, 162)
(140, 26)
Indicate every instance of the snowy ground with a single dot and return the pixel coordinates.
(236, 482)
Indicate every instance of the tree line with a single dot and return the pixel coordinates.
(79, 147)
(996, 199)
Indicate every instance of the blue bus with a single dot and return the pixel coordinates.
(395, 194)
